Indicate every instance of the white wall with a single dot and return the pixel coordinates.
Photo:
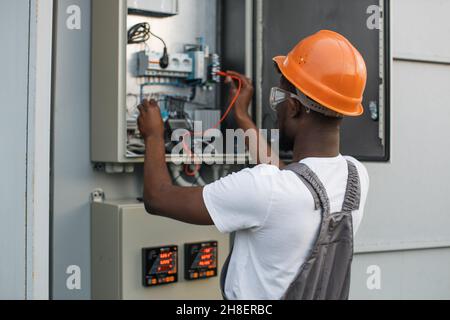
(408, 202)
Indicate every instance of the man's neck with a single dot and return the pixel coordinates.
(317, 143)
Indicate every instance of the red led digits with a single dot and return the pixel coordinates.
(165, 255)
(160, 266)
(165, 262)
(205, 263)
(201, 260)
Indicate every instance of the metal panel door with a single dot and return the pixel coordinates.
(285, 22)
(14, 32)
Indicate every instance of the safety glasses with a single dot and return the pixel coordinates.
(278, 96)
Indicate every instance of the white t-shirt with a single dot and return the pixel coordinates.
(272, 213)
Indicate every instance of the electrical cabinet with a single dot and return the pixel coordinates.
(172, 58)
(136, 256)
(175, 60)
(167, 51)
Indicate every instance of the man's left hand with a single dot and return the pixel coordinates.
(150, 121)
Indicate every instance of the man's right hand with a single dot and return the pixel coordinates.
(242, 106)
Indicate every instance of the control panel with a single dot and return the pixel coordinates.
(200, 260)
(137, 256)
(160, 266)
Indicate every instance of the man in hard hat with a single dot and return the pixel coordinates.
(294, 225)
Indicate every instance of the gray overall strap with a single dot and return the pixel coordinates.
(313, 183)
(326, 272)
(352, 199)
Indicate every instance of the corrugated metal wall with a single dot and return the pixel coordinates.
(407, 218)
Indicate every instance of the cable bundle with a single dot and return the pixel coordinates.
(139, 33)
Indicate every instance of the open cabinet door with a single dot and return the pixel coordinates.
(14, 25)
(25, 94)
(277, 28)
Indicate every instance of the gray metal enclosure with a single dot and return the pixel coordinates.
(404, 237)
(73, 175)
(14, 77)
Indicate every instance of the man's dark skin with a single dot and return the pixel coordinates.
(308, 134)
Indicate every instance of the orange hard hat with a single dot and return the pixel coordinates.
(328, 69)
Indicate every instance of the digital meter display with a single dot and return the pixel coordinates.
(200, 260)
(160, 266)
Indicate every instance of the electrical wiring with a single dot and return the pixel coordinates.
(224, 117)
(159, 38)
(139, 33)
(188, 170)
(177, 84)
(233, 102)
(133, 108)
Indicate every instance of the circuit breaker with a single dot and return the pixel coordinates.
(141, 257)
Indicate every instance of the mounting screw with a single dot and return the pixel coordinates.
(98, 195)
(374, 112)
(99, 167)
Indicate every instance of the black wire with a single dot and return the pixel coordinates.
(161, 39)
(141, 33)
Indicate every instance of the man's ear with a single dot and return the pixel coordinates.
(294, 108)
